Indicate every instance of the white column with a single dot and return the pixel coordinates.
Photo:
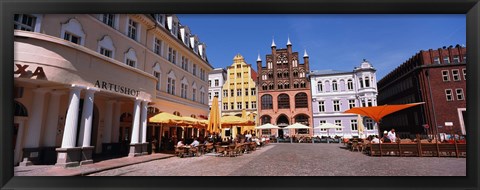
(135, 122)
(50, 133)
(70, 131)
(18, 143)
(86, 122)
(143, 120)
(116, 122)
(34, 125)
(107, 128)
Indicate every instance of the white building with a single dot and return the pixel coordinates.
(334, 92)
(216, 79)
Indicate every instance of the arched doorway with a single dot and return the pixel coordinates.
(282, 122)
(303, 119)
(20, 117)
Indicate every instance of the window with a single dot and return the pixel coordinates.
(231, 93)
(175, 28)
(459, 93)
(350, 84)
(445, 75)
(157, 75)
(369, 103)
(225, 93)
(232, 106)
(130, 62)
(171, 86)
(455, 75)
(336, 105)
(286, 86)
(301, 100)
(354, 125)
(210, 96)
(319, 86)
(303, 84)
(254, 105)
(72, 38)
(321, 106)
(239, 105)
(436, 60)
(184, 89)
(446, 59)
(253, 92)
(323, 122)
(106, 52)
(216, 94)
(172, 55)
(194, 71)
(194, 94)
(465, 58)
(246, 91)
(246, 105)
(456, 59)
(464, 74)
(270, 86)
(157, 46)
(338, 123)
(202, 97)
(448, 94)
(351, 104)
(209, 82)
(225, 106)
(369, 124)
(217, 82)
(267, 102)
(24, 22)
(109, 19)
(239, 75)
(239, 92)
(283, 101)
(361, 82)
(367, 81)
(334, 86)
(160, 18)
(132, 29)
(265, 119)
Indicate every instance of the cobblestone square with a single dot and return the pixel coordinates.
(296, 160)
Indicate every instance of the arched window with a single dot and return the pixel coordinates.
(171, 82)
(334, 86)
(266, 119)
(157, 73)
(267, 102)
(72, 31)
(264, 86)
(319, 86)
(367, 82)
(131, 58)
(280, 86)
(126, 117)
(350, 84)
(303, 84)
(286, 85)
(301, 100)
(20, 109)
(105, 47)
(270, 87)
(361, 82)
(301, 118)
(283, 101)
(295, 73)
(177, 113)
(295, 85)
(285, 74)
(193, 116)
(152, 110)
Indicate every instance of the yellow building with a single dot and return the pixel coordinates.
(239, 92)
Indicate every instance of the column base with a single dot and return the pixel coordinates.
(145, 148)
(135, 150)
(87, 155)
(69, 157)
(31, 156)
(49, 155)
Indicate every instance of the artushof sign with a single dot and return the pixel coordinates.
(116, 88)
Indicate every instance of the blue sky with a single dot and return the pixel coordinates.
(338, 42)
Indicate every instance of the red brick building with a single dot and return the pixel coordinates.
(436, 77)
(284, 90)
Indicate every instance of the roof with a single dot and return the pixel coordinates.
(328, 72)
(253, 74)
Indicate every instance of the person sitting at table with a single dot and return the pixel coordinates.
(195, 143)
(392, 136)
(375, 140)
(180, 143)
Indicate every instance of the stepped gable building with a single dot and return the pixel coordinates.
(85, 84)
(436, 77)
(334, 92)
(284, 90)
(239, 92)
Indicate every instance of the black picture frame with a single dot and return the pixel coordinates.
(469, 7)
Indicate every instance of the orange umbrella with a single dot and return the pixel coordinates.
(378, 112)
(214, 117)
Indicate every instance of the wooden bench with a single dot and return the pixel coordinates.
(408, 149)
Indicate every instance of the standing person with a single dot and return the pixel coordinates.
(392, 136)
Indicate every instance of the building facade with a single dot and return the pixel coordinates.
(216, 79)
(334, 92)
(436, 77)
(100, 76)
(239, 91)
(284, 91)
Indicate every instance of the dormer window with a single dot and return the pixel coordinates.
(132, 29)
(24, 22)
(109, 19)
(175, 28)
(160, 18)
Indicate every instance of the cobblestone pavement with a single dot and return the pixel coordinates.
(296, 160)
